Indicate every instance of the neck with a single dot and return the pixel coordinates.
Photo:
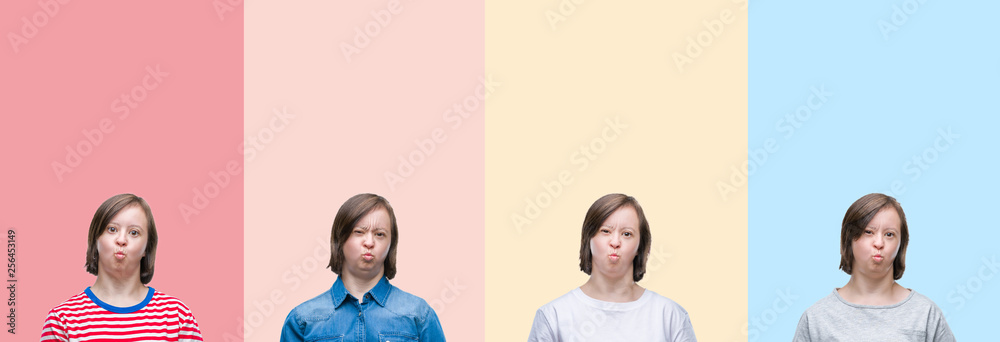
(357, 285)
(866, 290)
(119, 291)
(608, 289)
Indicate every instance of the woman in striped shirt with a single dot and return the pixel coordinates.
(120, 306)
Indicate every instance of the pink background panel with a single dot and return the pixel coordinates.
(181, 125)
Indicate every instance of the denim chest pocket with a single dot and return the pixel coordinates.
(396, 337)
(338, 338)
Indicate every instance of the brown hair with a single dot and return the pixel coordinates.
(99, 224)
(343, 224)
(856, 220)
(600, 211)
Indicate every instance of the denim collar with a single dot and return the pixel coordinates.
(380, 292)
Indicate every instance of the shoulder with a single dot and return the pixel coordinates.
(163, 299)
(316, 308)
(919, 298)
(56, 326)
(815, 315)
(924, 303)
(407, 304)
(545, 326)
(664, 303)
(75, 303)
(825, 304)
(567, 301)
(74, 306)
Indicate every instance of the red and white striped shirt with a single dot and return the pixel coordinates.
(84, 317)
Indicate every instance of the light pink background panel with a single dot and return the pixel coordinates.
(326, 126)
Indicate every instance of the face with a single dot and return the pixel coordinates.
(368, 245)
(616, 244)
(123, 243)
(876, 249)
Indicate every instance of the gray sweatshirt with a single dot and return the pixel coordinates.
(832, 318)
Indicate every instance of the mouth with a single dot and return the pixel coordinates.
(878, 257)
(614, 257)
(120, 254)
(368, 256)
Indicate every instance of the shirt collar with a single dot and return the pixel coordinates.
(380, 292)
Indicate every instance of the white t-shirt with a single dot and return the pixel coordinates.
(576, 317)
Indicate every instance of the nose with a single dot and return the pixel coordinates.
(120, 239)
(615, 241)
(879, 242)
(368, 241)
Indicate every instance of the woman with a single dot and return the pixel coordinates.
(121, 251)
(362, 305)
(610, 306)
(872, 306)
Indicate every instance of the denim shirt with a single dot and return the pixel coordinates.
(386, 313)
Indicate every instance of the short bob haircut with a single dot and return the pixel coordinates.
(99, 224)
(600, 211)
(856, 220)
(347, 218)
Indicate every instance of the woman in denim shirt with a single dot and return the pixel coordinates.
(362, 305)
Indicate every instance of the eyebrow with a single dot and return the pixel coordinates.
(873, 227)
(124, 225)
(135, 226)
(627, 227)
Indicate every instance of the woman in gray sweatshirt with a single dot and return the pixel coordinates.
(872, 306)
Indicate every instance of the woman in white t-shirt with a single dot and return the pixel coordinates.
(610, 306)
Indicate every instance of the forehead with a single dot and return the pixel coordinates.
(623, 216)
(887, 217)
(378, 216)
(132, 214)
